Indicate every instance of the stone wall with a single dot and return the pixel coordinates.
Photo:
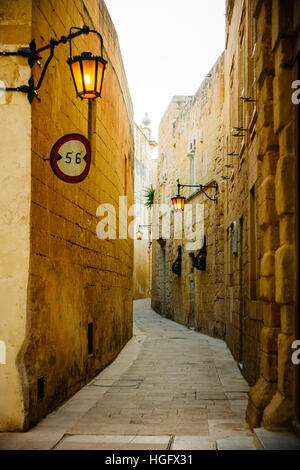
(272, 399)
(243, 177)
(15, 195)
(72, 278)
(247, 294)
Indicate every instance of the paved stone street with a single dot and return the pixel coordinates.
(170, 388)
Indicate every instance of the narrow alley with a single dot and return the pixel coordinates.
(170, 388)
(149, 225)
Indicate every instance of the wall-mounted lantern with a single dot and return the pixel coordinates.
(179, 201)
(234, 238)
(139, 234)
(87, 70)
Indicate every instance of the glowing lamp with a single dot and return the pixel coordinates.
(139, 235)
(87, 70)
(178, 203)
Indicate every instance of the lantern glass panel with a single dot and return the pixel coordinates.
(178, 203)
(89, 74)
(76, 70)
(99, 76)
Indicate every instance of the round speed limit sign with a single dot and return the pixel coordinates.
(71, 158)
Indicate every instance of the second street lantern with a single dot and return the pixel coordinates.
(178, 203)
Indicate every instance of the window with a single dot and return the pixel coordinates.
(192, 170)
(234, 236)
(174, 128)
(229, 258)
(164, 166)
(163, 193)
(242, 83)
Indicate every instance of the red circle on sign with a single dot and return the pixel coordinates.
(56, 157)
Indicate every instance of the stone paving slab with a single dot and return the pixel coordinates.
(117, 442)
(236, 443)
(224, 428)
(170, 386)
(193, 443)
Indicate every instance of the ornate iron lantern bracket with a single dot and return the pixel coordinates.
(178, 201)
(33, 55)
(200, 260)
(176, 266)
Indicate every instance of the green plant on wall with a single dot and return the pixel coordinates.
(149, 196)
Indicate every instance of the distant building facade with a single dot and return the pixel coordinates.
(144, 176)
(190, 150)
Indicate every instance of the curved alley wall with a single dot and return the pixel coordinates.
(248, 293)
(74, 277)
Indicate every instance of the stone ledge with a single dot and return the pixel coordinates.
(270, 440)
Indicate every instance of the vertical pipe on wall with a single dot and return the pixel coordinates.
(297, 319)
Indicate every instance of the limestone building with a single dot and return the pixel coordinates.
(145, 176)
(260, 278)
(247, 293)
(190, 150)
(65, 294)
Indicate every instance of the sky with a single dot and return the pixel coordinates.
(168, 47)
